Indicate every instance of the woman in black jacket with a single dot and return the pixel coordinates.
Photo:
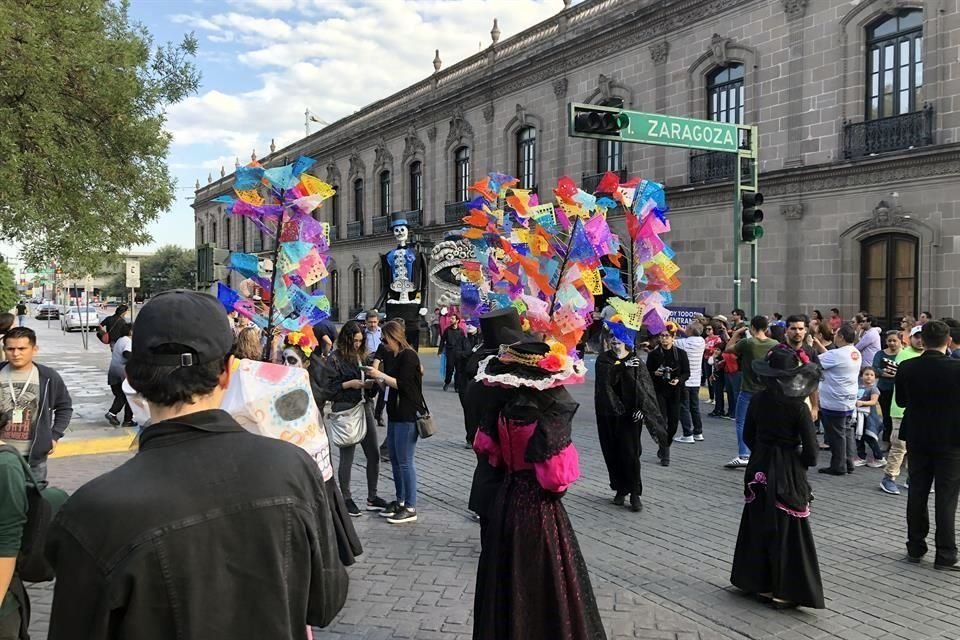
(404, 376)
(669, 368)
(345, 387)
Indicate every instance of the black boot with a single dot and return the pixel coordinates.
(635, 504)
(618, 499)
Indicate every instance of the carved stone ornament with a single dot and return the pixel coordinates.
(603, 84)
(357, 167)
(432, 133)
(382, 158)
(412, 144)
(794, 8)
(488, 113)
(887, 215)
(560, 87)
(659, 51)
(793, 211)
(521, 115)
(333, 174)
(718, 46)
(460, 129)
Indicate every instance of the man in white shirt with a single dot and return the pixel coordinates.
(838, 398)
(690, 419)
(869, 343)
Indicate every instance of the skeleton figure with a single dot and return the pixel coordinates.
(404, 294)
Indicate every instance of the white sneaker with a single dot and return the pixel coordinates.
(684, 439)
(698, 437)
(876, 464)
(737, 463)
(859, 462)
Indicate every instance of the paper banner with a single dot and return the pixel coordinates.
(593, 281)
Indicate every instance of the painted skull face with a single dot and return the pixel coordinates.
(402, 233)
(293, 357)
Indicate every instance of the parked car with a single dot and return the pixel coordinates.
(79, 319)
(48, 311)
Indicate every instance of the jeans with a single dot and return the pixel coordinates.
(39, 471)
(839, 431)
(402, 439)
(942, 465)
(690, 411)
(866, 441)
(120, 402)
(706, 371)
(451, 370)
(896, 457)
(21, 321)
(743, 403)
(733, 392)
(886, 397)
(370, 452)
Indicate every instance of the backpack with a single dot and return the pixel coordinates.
(42, 506)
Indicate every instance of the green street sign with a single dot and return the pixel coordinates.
(657, 129)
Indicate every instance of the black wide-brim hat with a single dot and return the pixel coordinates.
(516, 366)
(784, 367)
(501, 326)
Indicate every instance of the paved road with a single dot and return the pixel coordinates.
(659, 574)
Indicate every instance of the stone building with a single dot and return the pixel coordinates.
(858, 109)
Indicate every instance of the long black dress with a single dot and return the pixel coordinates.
(775, 551)
(532, 581)
(620, 391)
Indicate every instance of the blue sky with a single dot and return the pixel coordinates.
(265, 61)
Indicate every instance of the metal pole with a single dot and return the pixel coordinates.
(268, 348)
(737, 218)
(754, 267)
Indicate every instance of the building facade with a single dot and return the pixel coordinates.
(858, 109)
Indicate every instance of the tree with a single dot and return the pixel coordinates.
(81, 128)
(9, 295)
(171, 267)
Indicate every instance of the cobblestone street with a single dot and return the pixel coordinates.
(659, 574)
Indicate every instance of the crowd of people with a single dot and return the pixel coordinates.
(199, 475)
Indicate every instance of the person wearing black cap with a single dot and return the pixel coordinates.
(775, 557)
(497, 327)
(217, 514)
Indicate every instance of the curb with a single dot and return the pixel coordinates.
(123, 442)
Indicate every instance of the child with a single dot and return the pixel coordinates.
(869, 422)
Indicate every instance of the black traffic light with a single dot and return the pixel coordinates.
(751, 216)
(211, 264)
(604, 121)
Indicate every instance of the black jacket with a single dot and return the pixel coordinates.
(453, 341)
(54, 413)
(665, 366)
(208, 532)
(924, 387)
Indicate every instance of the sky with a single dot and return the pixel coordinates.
(264, 62)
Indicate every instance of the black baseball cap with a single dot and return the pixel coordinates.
(197, 322)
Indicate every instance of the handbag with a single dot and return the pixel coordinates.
(348, 427)
(425, 424)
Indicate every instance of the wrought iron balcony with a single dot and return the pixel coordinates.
(455, 212)
(589, 182)
(354, 229)
(895, 133)
(711, 166)
(414, 217)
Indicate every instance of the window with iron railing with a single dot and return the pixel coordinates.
(385, 199)
(895, 65)
(416, 185)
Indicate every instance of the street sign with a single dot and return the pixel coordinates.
(133, 274)
(659, 129)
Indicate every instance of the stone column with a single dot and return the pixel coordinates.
(658, 55)
(560, 91)
(488, 113)
(434, 187)
(795, 11)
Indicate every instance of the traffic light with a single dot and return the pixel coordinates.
(211, 264)
(751, 216)
(598, 121)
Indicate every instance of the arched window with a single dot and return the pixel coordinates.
(357, 290)
(227, 236)
(416, 186)
(243, 235)
(202, 235)
(213, 232)
(385, 202)
(335, 295)
(527, 157)
(725, 101)
(358, 200)
(461, 168)
(888, 276)
(895, 65)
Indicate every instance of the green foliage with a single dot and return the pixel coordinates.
(84, 150)
(170, 268)
(9, 296)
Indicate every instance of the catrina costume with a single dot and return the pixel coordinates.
(532, 581)
(775, 556)
(625, 401)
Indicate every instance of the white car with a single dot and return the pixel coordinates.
(78, 319)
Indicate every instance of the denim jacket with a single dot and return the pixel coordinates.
(208, 532)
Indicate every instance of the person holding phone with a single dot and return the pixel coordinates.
(347, 383)
(885, 364)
